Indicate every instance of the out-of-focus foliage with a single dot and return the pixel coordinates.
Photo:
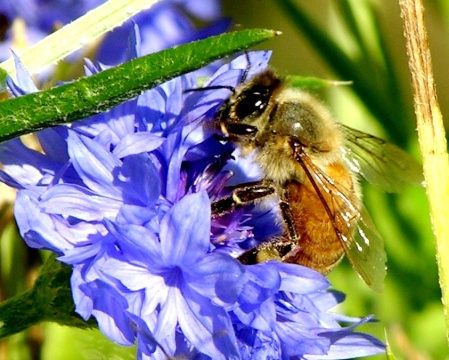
(362, 41)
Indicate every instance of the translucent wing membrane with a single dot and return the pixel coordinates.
(366, 252)
(383, 164)
(361, 242)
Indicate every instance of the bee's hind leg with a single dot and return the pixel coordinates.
(247, 193)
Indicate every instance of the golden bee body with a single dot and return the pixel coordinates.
(319, 246)
(311, 163)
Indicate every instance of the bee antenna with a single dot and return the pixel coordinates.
(230, 88)
(214, 87)
(248, 66)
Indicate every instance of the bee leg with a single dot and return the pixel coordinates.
(287, 216)
(279, 247)
(274, 249)
(246, 193)
(242, 195)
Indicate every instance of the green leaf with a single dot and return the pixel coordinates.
(3, 75)
(313, 83)
(49, 300)
(389, 354)
(98, 93)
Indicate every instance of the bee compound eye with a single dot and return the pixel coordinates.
(252, 102)
(241, 129)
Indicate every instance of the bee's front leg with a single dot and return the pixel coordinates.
(242, 194)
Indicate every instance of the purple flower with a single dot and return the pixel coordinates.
(124, 198)
(283, 313)
(194, 285)
(164, 25)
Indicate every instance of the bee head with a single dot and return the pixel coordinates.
(245, 113)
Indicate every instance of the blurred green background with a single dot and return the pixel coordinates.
(361, 41)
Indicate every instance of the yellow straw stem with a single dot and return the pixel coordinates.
(432, 138)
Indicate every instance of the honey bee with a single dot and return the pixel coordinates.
(312, 164)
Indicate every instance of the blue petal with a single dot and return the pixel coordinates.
(108, 309)
(206, 326)
(133, 277)
(300, 279)
(218, 277)
(261, 317)
(134, 43)
(54, 143)
(298, 340)
(27, 166)
(135, 215)
(138, 244)
(185, 230)
(9, 181)
(36, 227)
(349, 346)
(79, 202)
(139, 181)
(94, 164)
(115, 124)
(137, 143)
(231, 73)
(25, 83)
(81, 254)
(146, 342)
(83, 302)
(258, 345)
(205, 9)
(327, 300)
(263, 283)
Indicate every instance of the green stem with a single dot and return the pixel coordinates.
(50, 299)
(14, 319)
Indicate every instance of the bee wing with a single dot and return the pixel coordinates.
(381, 163)
(366, 252)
